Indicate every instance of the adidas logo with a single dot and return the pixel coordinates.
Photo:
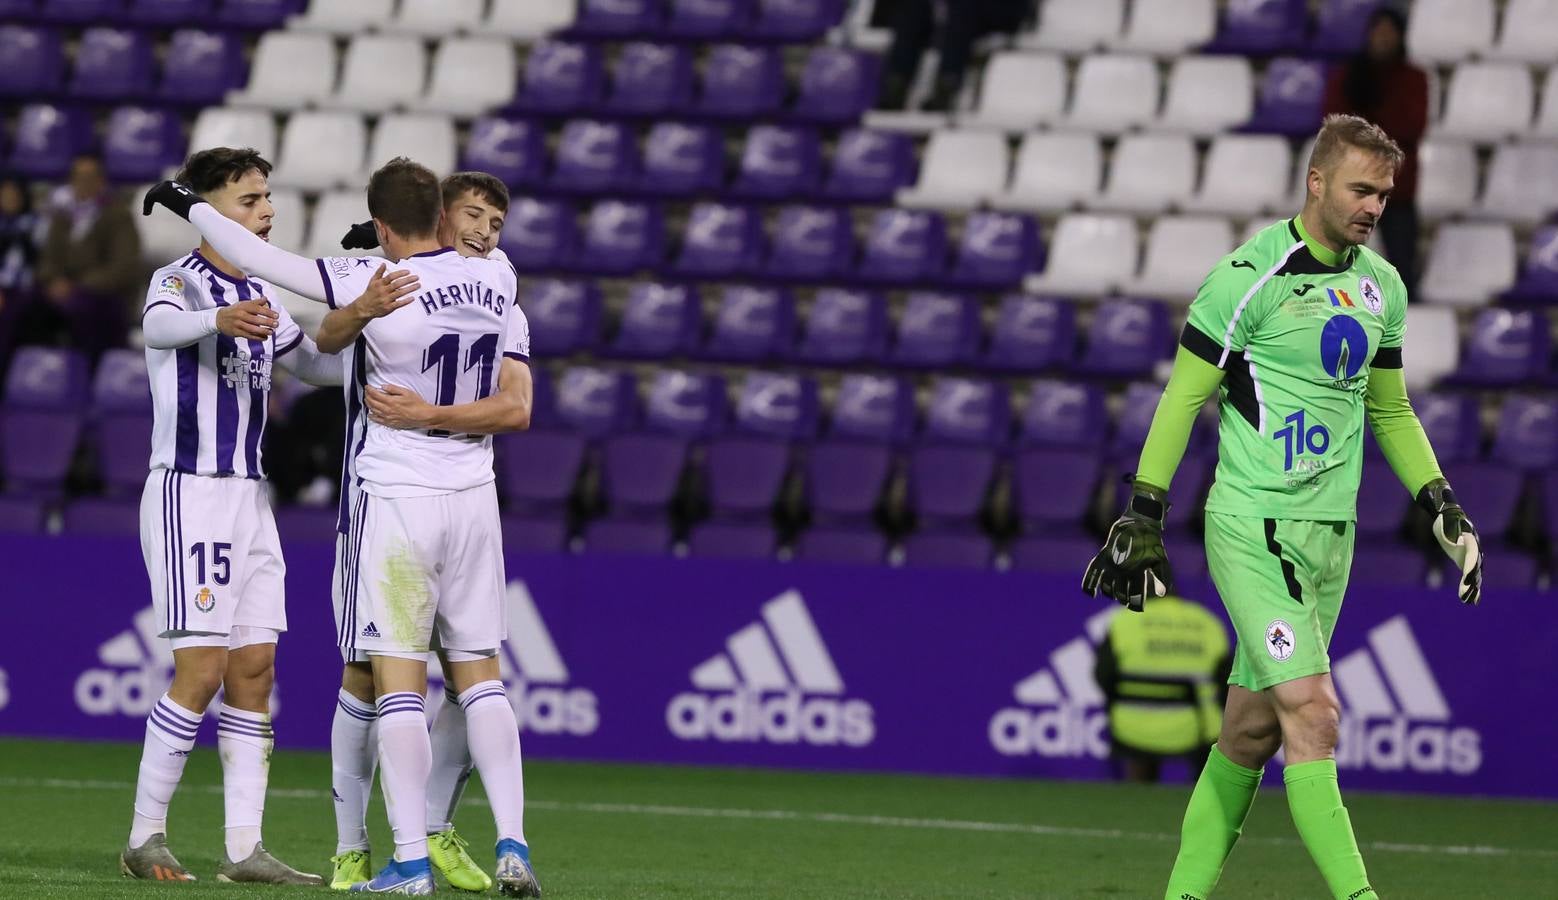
(370, 630)
(1061, 710)
(5, 691)
(764, 687)
(1394, 716)
(136, 668)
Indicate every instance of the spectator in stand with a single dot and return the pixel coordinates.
(953, 26)
(1380, 85)
(89, 268)
(18, 256)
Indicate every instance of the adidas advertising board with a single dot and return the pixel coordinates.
(715, 662)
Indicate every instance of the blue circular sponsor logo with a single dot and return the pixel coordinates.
(1344, 346)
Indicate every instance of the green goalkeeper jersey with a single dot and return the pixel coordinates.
(1296, 329)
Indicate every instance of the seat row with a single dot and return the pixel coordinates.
(232, 14)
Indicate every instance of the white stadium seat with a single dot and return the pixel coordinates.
(1468, 263)
(291, 221)
(1167, 27)
(470, 76)
(381, 72)
(959, 170)
(1089, 256)
(427, 138)
(321, 150)
(336, 17)
(436, 18)
(1547, 117)
(290, 71)
(1180, 251)
(1113, 93)
(1261, 223)
(1522, 183)
(529, 20)
(1019, 91)
(1440, 31)
(1076, 26)
(1301, 174)
(165, 237)
(1150, 173)
(1054, 172)
(1529, 32)
(334, 213)
(219, 127)
(1245, 173)
(1488, 102)
(1446, 178)
(1208, 95)
(1433, 346)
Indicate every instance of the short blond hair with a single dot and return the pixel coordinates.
(1340, 131)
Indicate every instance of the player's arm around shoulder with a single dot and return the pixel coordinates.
(385, 293)
(504, 410)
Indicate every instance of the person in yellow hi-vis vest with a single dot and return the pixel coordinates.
(1165, 676)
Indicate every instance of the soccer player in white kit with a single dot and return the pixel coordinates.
(426, 545)
(207, 534)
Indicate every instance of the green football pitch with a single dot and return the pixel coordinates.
(611, 831)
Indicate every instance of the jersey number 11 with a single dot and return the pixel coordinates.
(444, 353)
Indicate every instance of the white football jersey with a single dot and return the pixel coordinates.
(444, 346)
(209, 398)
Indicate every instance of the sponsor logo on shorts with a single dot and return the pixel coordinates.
(370, 630)
(205, 601)
(1279, 640)
(1061, 710)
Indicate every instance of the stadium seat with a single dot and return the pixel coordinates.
(381, 72)
(876, 408)
(167, 13)
(903, 247)
(1261, 27)
(1468, 263)
(1487, 102)
(732, 540)
(594, 157)
(967, 411)
(721, 241)
(428, 138)
(640, 471)
(1453, 423)
(564, 316)
(944, 550)
(1167, 27)
(1447, 178)
(512, 150)
(658, 320)
(164, 237)
(1506, 348)
(627, 537)
(997, 250)
(779, 161)
(1529, 32)
(1447, 31)
(201, 67)
(538, 469)
(1180, 251)
(1301, 175)
(1208, 95)
(778, 406)
(948, 483)
(811, 244)
(32, 64)
(706, 19)
(596, 402)
(534, 534)
(1134, 419)
(1435, 346)
(1539, 276)
(345, 19)
(795, 21)
(1244, 173)
(1076, 26)
(1547, 117)
(219, 127)
(621, 237)
(1340, 27)
(650, 79)
(681, 160)
(112, 64)
(290, 71)
(869, 166)
(859, 545)
(1031, 334)
(1527, 434)
(1090, 255)
(528, 19)
(1522, 185)
(1063, 414)
(1113, 93)
(301, 165)
(47, 138)
(1053, 173)
(141, 143)
(1060, 555)
(1053, 488)
(686, 404)
(618, 18)
(121, 416)
(439, 18)
(837, 86)
(45, 397)
(1289, 99)
(121, 517)
(1126, 339)
(959, 170)
(334, 212)
(1019, 91)
(561, 77)
(845, 479)
(1388, 562)
(257, 13)
(1149, 174)
(937, 331)
(752, 324)
(540, 235)
(470, 76)
(741, 82)
(844, 327)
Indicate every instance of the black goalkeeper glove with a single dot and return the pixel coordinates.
(1456, 535)
(361, 237)
(175, 196)
(1133, 565)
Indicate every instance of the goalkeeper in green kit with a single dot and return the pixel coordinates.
(1299, 331)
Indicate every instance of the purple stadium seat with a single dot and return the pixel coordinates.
(1549, 503)
(859, 545)
(776, 405)
(779, 162)
(22, 515)
(540, 235)
(837, 86)
(658, 320)
(968, 411)
(1527, 434)
(122, 418)
(306, 524)
(640, 471)
(534, 534)
(1387, 562)
(733, 540)
(845, 479)
(686, 405)
(904, 247)
(594, 158)
(1032, 334)
(744, 475)
(560, 78)
(564, 316)
(1191, 483)
(1539, 277)
(45, 397)
(741, 82)
(618, 18)
(142, 143)
(596, 402)
(1289, 98)
(1260, 27)
(31, 62)
(537, 469)
(121, 517)
(650, 80)
(997, 250)
(708, 19)
(1066, 554)
(1059, 414)
(753, 324)
(874, 408)
(948, 550)
(510, 149)
(844, 328)
(1453, 423)
(937, 331)
(543, 403)
(1134, 419)
(1186, 554)
(1127, 338)
(622, 237)
(1340, 26)
(1505, 347)
(796, 21)
(811, 244)
(870, 166)
(257, 13)
(170, 12)
(80, 11)
(1493, 493)
(628, 537)
(1508, 567)
(680, 160)
(112, 64)
(47, 137)
(1382, 501)
(1055, 487)
(721, 241)
(200, 67)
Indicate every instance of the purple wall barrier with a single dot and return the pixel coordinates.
(689, 661)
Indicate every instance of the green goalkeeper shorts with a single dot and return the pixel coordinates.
(1282, 582)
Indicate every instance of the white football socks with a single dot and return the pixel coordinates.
(245, 740)
(405, 759)
(170, 736)
(451, 763)
(493, 733)
(353, 753)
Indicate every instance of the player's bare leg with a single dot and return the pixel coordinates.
(493, 734)
(451, 771)
(406, 757)
(353, 756)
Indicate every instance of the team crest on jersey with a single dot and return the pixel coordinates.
(171, 285)
(1373, 300)
(205, 601)
(1279, 640)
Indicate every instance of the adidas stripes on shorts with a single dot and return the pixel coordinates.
(1282, 582)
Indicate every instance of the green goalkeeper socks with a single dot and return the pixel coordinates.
(1323, 823)
(1213, 820)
